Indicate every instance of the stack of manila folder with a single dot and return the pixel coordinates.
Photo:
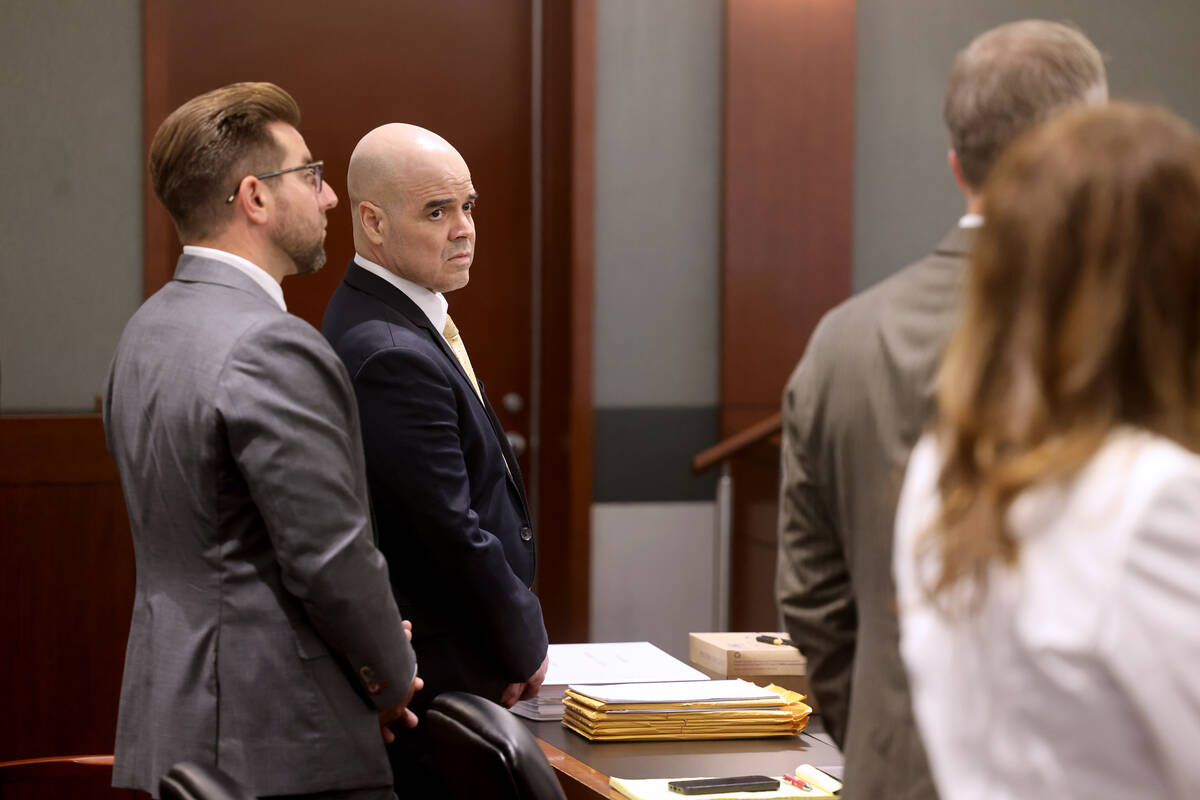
(729, 709)
(601, 662)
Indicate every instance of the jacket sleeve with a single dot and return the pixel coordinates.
(813, 586)
(411, 429)
(292, 425)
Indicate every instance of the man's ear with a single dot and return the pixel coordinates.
(973, 197)
(371, 218)
(956, 171)
(253, 200)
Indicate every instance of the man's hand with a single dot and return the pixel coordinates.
(534, 684)
(528, 688)
(400, 711)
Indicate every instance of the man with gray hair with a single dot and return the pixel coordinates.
(861, 396)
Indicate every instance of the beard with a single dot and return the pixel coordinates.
(303, 243)
(307, 260)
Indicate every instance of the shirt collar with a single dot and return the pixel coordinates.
(252, 270)
(970, 221)
(433, 304)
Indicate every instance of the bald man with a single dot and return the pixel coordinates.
(449, 503)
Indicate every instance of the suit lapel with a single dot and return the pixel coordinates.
(376, 286)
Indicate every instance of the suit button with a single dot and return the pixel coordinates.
(526, 533)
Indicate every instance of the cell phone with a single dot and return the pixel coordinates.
(742, 783)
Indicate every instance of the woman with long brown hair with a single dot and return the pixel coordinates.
(1048, 535)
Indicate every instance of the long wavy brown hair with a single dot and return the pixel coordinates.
(1082, 314)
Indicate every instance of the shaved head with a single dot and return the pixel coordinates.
(404, 182)
(387, 159)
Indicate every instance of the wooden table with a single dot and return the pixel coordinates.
(584, 767)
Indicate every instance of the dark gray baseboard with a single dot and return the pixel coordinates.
(644, 455)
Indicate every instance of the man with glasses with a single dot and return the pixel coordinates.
(265, 640)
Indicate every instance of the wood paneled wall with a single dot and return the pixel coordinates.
(66, 587)
(787, 236)
(464, 70)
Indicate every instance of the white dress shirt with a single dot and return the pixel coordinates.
(434, 304)
(255, 272)
(1079, 676)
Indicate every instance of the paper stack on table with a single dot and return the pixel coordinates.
(732, 709)
(601, 662)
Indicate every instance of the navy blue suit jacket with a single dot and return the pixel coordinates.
(452, 518)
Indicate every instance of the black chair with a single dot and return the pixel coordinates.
(190, 781)
(483, 751)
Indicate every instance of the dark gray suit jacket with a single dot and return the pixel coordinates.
(264, 637)
(852, 411)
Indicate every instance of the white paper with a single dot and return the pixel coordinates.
(615, 662)
(601, 662)
(677, 692)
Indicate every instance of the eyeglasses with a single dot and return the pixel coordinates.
(317, 168)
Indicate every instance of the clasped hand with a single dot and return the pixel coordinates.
(400, 712)
(529, 688)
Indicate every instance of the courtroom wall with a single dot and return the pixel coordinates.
(904, 197)
(71, 224)
(71, 207)
(657, 236)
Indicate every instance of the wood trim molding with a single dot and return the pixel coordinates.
(787, 239)
(735, 444)
(42, 769)
(788, 211)
(160, 239)
(578, 780)
(568, 135)
(583, 249)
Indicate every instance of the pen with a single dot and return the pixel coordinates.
(762, 637)
(799, 783)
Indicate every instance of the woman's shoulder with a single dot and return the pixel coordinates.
(1142, 465)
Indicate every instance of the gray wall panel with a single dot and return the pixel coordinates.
(654, 562)
(904, 196)
(70, 154)
(658, 167)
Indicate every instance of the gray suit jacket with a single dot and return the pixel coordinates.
(264, 637)
(852, 411)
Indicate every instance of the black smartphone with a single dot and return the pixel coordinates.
(742, 783)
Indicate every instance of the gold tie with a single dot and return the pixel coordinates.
(460, 352)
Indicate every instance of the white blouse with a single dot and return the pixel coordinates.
(1079, 675)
